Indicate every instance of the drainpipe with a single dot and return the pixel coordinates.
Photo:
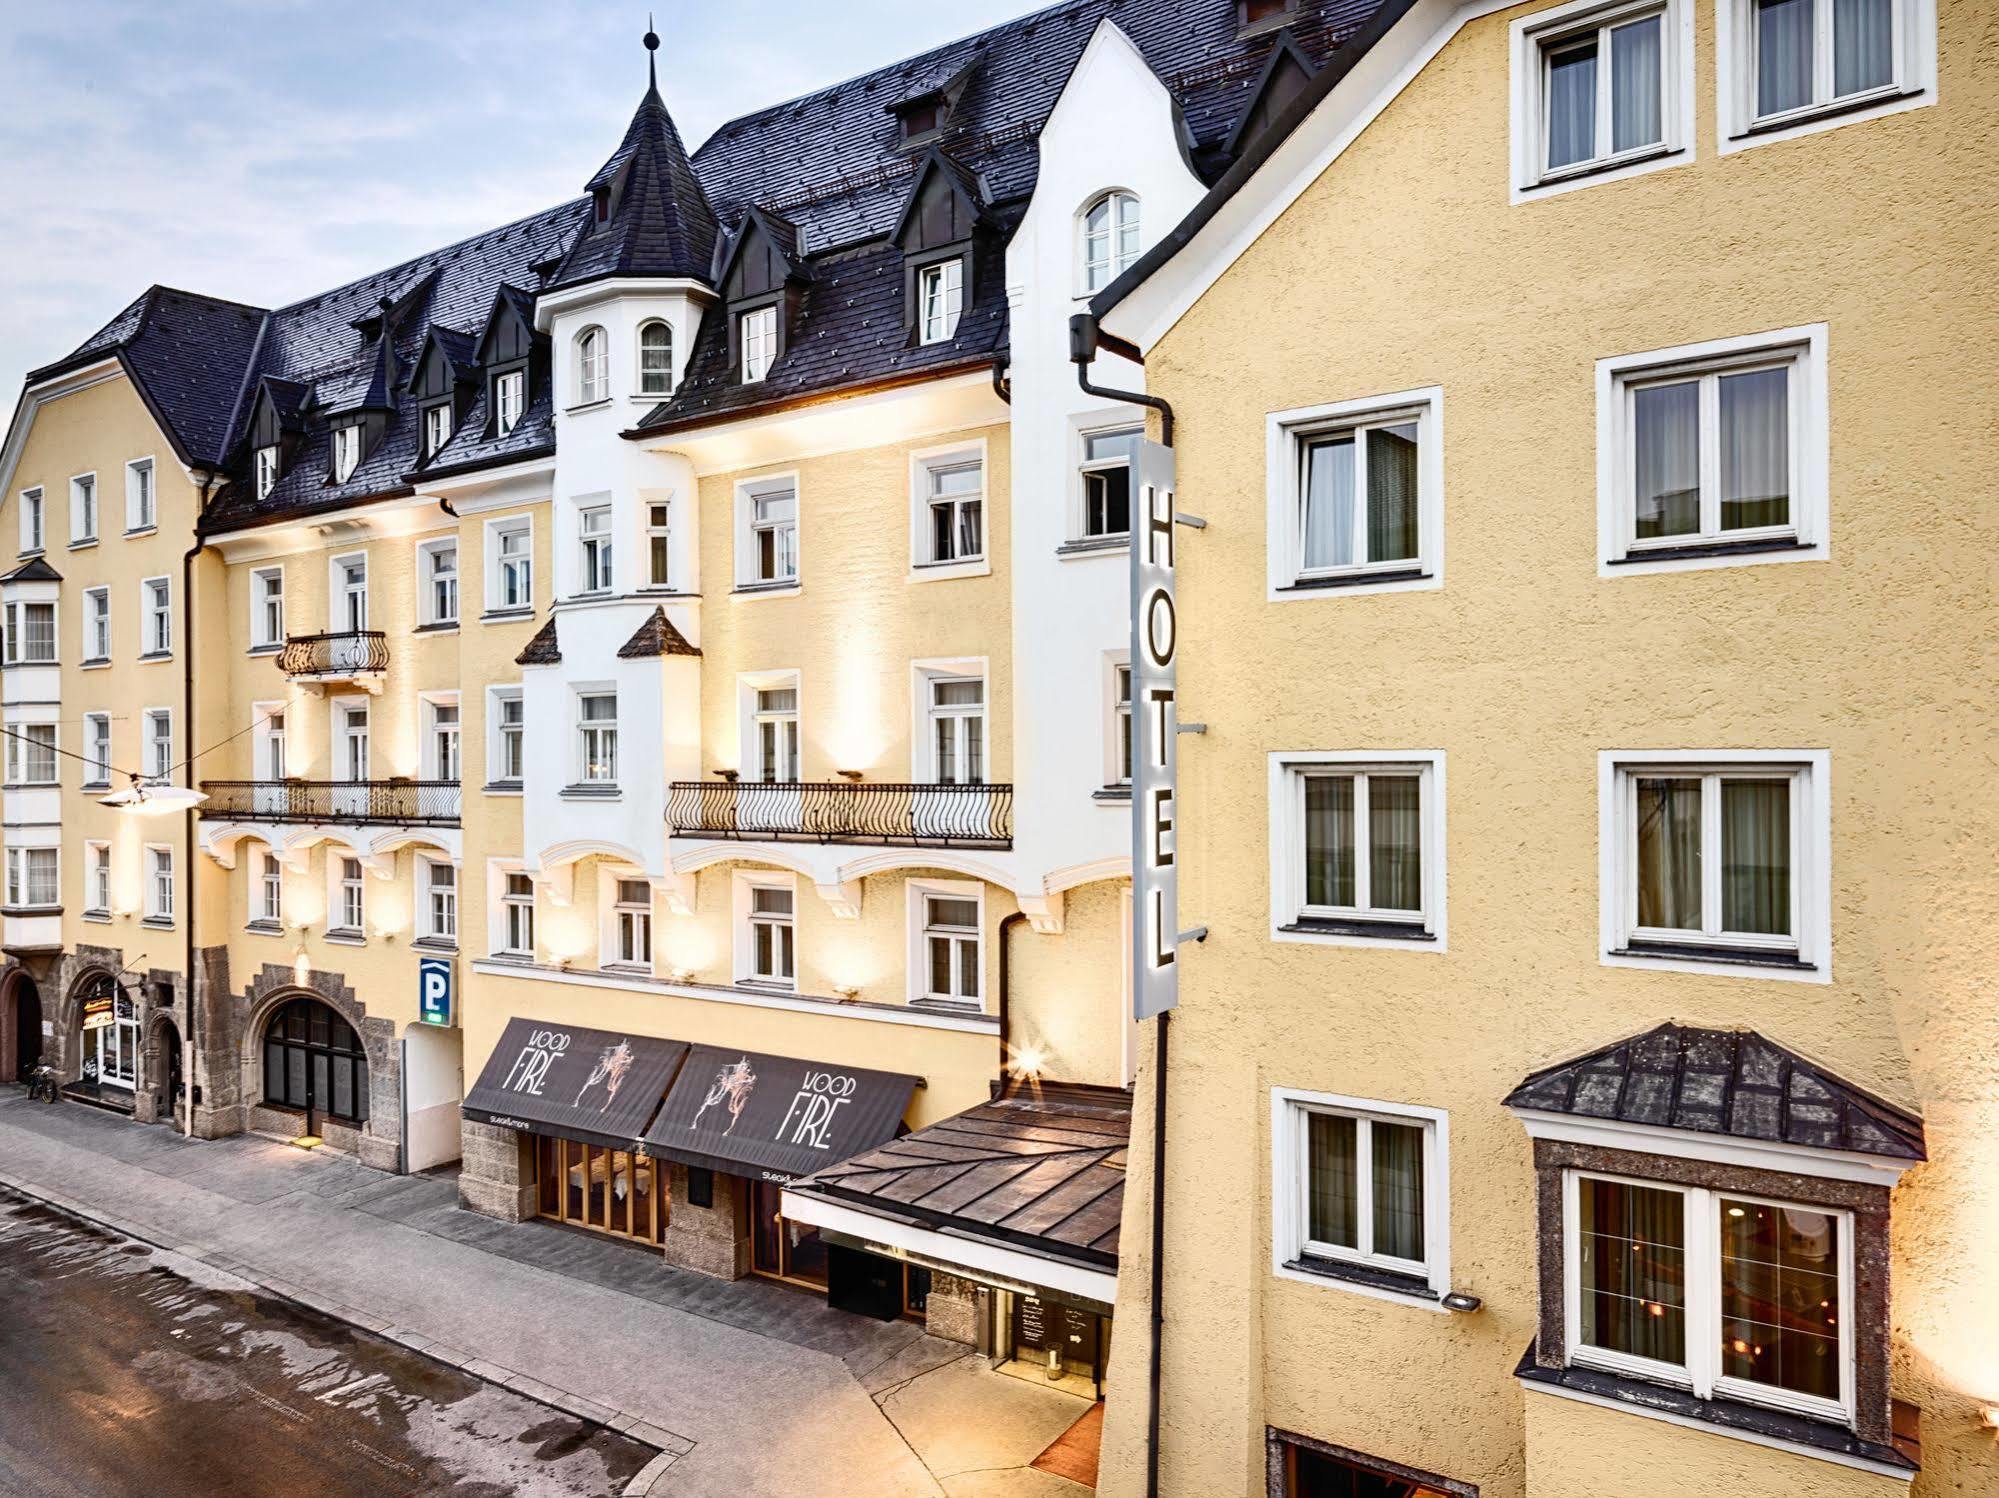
(187, 1081)
(1006, 925)
(1002, 386)
(1085, 337)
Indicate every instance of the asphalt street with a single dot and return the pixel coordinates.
(118, 1375)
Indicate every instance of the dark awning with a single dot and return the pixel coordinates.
(772, 1117)
(599, 1086)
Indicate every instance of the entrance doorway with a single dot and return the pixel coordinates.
(779, 1248)
(313, 1063)
(108, 1015)
(20, 1027)
(618, 1192)
(167, 1038)
(1060, 1344)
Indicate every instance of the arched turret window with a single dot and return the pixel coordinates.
(593, 367)
(655, 359)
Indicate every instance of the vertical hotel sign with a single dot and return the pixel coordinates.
(1155, 640)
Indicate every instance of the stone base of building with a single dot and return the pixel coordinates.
(712, 1240)
(496, 1172)
(952, 1309)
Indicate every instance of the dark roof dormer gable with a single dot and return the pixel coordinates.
(395, 312)
(449, 358)
(945, 205)
(929, 97)
(509, 332)
(276, 430)
(763, 272)
(1285, 74)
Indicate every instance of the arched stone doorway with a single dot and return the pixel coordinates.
(163, 1070)
(105, 1014)
(20, 1026)
(314, 1064)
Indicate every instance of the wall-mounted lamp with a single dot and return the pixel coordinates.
(848, 774)
(1462, 1303)
(1988, 1415)
(848, 992)
(1028, 1062)
(680, 975)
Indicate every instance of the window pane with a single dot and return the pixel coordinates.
(1334, 1186)
(1669, 854)
(1395, 842)
(1755, 449)
(1666, 422)
(1632, 1261)
(1398, 1189)
(1756, 856)
(1634, 85)
(1329, 501)
(1391, 493)
(1780, 1297)
(1863, 45)
(1783, 55)
(1572, 104)
(968, 969)
(940, 964)
(949, 912)
(1329, 846)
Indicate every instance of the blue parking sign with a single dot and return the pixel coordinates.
(433, 985)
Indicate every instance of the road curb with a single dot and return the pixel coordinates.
(632, 1425)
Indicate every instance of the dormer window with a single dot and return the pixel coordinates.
(758, 336)
(1261, 12)
(941, 298)
(921, 119)
(656, 359)
(1110, 239)
(267, 470)
(509, 400)
(436, 428)
(593, 369)
(600, 205)
(346, 452)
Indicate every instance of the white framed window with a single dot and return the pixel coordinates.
(350, 896)
(655, 358)
(440, 750)
(141, 504)
(949, 509)
(83, 509)
(767, 940)
(351, 743)
(97, 749)
(593, 537)
(1117, 739)
(437, 572)
(955, 707)
(267, 470)
(159, 743)
(1713, 454)
(1108, 456)
(34, 520)
(33, 878)
(1791, 67)
(767, 531)
(1716, 861)
(436, 427)
(269, 892)
(1356, 495)
(31, 634)
(346, 451)
(593, 367)
(1726, 1294)
(1360, 1186)
(1601, 89)
(756, 331)
(96, 625)
(159, 882)
(156, 614)
(517, 915)
(347, 610)
(510, 574)
(508, 717)
(659, 544)
(97, 878)
(31, 754)
(267, 607)
(597, 738)
(773, 738)
(947, 955)
(271, 736)
(632, 916)
(440, 900)
(940, 300)
(1357, 847)
(510, 393)
(1108, 238)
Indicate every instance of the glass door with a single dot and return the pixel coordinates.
(111, 1052)
(781, 1249)
(609, 1191)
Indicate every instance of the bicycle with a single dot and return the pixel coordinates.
(42, 1083)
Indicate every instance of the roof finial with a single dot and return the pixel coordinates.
(652, 54)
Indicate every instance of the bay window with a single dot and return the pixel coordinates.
(659, 549)
(31, 754)
(593, 367)
(655, 359)
(597, 738)
(32, 877)
(593, 531)
(31, 634)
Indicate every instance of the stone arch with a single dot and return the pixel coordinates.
(20, 1025)
(378, 1141)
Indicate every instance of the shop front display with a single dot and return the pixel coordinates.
(108, 1017)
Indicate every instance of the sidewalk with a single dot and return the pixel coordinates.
(748, 1388)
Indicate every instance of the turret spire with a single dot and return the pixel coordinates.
(652, 55)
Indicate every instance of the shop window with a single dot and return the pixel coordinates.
(313, 1061)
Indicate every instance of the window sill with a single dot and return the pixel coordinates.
(1700, 551)
(591, 793)
(264, 928)
(501, 788)
(1113, 793)
(941, 572)
(101, 917)
(31, 785)
(443, 945)
(937, 1004)
(84, 545)
(582, 406)
(1365, 1276)
(1799, 1433)
(516, 959)
(142, 530)
(1356, 580)
(1812, 114)
(1096, 546)
(783, 588)
(96, 663)
(32, 551)
(158, 922)
(766, 985)
(27, 912)
(346, 938)
(95, 785)
(1378, 930)
(441, 627)
(629, 969)
(507, 616)
(1609, 167)
(274, 648)
(156, 655)
(1786, 961)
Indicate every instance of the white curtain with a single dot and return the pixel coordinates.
(1863, 45)
(1756, 856)
(1755, 449)
(1667, 435)
(1571, 104)
(1634, 85)
(1329, 502)
(1783, 55)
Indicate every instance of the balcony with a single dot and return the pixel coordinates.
(931, 816)
(395, 803)
(355, 657)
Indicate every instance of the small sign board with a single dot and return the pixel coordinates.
(435, 991)
(99, 1012)
(1155, 641)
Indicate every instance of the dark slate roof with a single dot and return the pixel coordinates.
(656, 636)
(1042, 1170)
(660, 224)
(476, 445)
(1731, 1082)
(542, 649)
(34, 570)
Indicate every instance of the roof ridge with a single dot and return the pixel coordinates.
(204, 296)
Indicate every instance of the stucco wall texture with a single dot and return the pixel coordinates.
(1405, 266)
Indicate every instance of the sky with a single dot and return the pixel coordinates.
(266, 150)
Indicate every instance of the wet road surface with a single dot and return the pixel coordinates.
(119, 1376)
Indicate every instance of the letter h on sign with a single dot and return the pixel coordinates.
(1155, 639)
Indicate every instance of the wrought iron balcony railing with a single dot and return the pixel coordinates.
(944, 816)
(348, 652)
(405, 803)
